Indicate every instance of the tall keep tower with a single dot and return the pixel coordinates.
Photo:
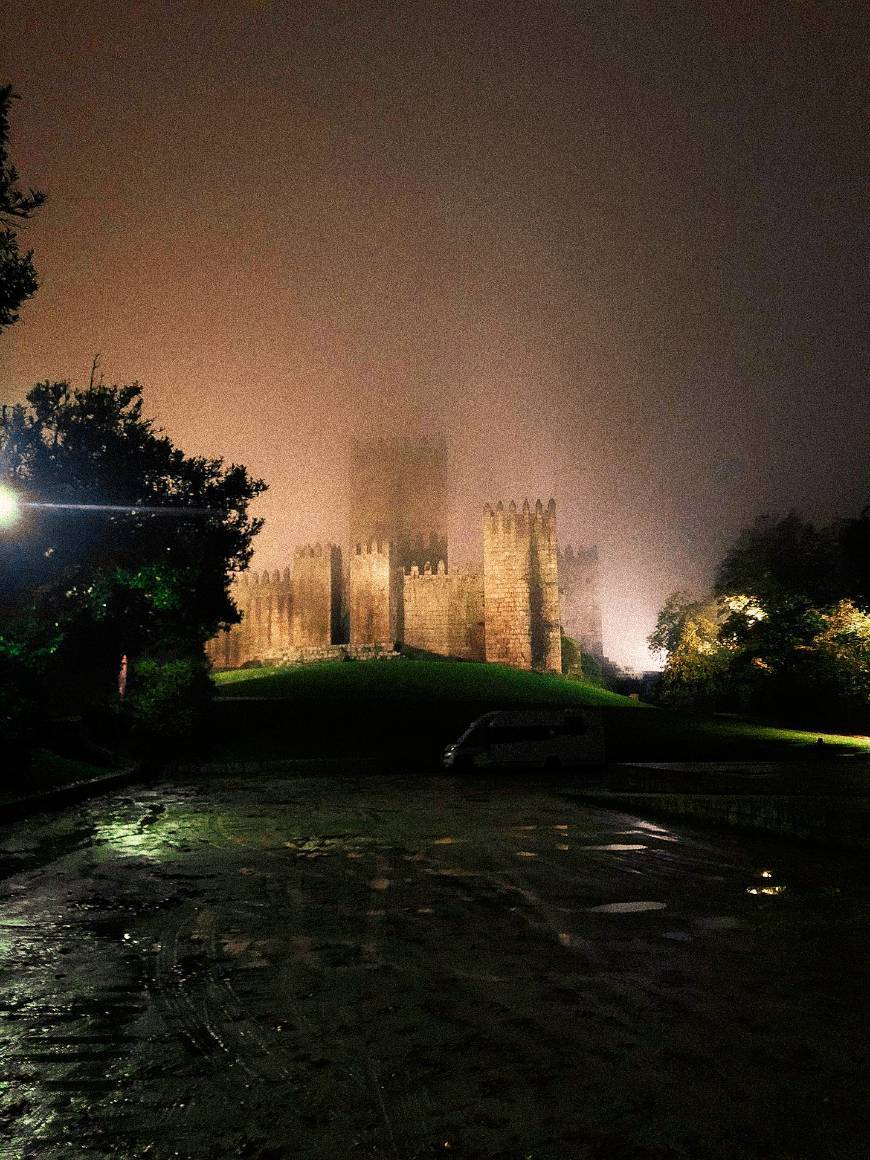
(398, 495)
(580, 592)
(521, 586)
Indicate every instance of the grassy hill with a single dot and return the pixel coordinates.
(410, 709)
(414, 683)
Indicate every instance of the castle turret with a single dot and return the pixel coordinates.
(316, 595)
(375, 597)
(521, 586)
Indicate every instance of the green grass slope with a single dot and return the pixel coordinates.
(413, 708)
(417, 683)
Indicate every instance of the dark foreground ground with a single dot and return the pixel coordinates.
(417, 966)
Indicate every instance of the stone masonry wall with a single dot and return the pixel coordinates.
(521, 586)
(444, 613)
(316, 595)
(375, 597)
(506, 567)
(544, 583)
(580, 598)
(265, 602)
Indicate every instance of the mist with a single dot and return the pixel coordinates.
(617, 256)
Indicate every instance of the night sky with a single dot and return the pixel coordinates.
(618, 252)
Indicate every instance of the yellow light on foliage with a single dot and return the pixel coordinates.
(10, 508)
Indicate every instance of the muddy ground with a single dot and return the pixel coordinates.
(418, 966)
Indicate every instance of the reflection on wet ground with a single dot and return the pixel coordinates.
(404, 967)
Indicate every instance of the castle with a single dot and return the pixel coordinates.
(395, 586)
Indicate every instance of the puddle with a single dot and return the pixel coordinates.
(659, 835)
(625, 907)
(719, 922)
(619, 847)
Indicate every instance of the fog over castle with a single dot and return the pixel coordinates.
(616, 256)
(395, 584)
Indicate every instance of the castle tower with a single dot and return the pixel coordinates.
(398, 495)
(375, 596)
(521, 586)
(316, 595)
(580, 598)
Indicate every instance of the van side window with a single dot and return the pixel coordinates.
(511, 734)
(575, 725)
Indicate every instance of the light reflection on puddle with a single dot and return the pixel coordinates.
(765, 889)
(617, 846)
(626, 907)
(659, 835)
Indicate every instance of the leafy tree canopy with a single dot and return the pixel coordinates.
(787, 631)
(782, 562)
(142, 566)
(17, 275)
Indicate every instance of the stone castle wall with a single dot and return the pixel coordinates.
(444, 613)
(265, 602)
(375, 595)
(316, 596)
(579, 592)
(521, 584)
(395, 584)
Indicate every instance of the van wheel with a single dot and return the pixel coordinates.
(552, 763)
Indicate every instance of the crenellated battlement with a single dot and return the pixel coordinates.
(415, 572)
(246, 581)
(580, 555)
(385, 548)
(515, 520)
(311, 551)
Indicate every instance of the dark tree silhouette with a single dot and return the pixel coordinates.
(18, 280)
(127, 548)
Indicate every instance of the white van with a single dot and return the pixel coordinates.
(545, 738)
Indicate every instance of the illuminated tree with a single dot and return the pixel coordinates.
(697, 667)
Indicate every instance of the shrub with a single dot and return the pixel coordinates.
(165, 699)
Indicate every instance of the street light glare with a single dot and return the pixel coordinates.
(10, 508)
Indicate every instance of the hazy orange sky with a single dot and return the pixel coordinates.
(617, 252)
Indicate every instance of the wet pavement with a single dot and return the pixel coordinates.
(417, 966)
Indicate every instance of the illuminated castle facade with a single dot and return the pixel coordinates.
(395, 587)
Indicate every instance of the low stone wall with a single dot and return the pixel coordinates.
(831, 820)
(332, 652)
